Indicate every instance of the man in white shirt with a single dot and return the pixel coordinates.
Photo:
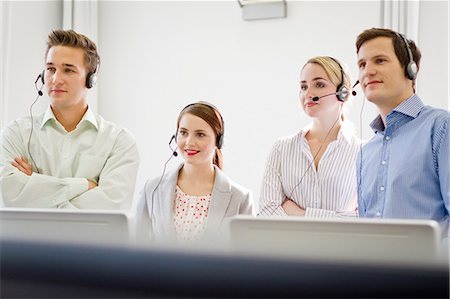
(68, 157)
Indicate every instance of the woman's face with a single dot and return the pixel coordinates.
(196, 140)
(314, 82)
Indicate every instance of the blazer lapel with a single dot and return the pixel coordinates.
(164, 206)
(221, 197)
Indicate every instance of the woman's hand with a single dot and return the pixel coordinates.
(292, 209)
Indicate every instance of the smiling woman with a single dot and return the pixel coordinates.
(196, 200)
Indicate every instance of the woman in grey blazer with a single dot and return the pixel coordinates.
(195, 200)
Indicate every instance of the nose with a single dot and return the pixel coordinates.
(56, 77)
(306, 94)
(368, 70)
(301, 94)
(190, 139)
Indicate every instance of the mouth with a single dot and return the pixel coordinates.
(310, 104)
(190, 152)
(372, 82)
(57, 91)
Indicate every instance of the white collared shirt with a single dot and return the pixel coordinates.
(96, 149)
(290, 173)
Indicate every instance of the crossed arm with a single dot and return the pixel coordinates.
(22, 164)
(107, 185)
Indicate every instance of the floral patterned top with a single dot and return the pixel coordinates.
(190, 215)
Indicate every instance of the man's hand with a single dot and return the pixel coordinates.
(292, 209)
(22, 164)
(92, 184)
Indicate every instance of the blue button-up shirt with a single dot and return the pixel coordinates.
(405, 167)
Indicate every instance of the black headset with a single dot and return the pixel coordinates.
(341, 91)
(219, 139)
(91, 78)
(411, 67)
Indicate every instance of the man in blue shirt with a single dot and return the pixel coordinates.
(403, 171)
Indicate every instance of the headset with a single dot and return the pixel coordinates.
(220, 136)
(341, 91)
(411, 68)
(91, 78)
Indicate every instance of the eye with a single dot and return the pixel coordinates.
(361, 65)
(50, 69)
(320, 84)
(182, 133)
(201, 134)
(68, 71)
(380, 60)
(303, 87)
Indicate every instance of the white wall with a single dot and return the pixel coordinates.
(159, 56)
(433, 78)
(25, 27)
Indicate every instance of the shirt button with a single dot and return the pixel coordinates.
(383, 162)
(378, 214)
(382, 188)
(388, 138)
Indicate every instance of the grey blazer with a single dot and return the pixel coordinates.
(228, 200)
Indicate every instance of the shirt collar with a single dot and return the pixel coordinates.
(88, 117)
(410, 107)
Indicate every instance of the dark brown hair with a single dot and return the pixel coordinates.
(211, 115)
(70, 38)
(397, 41)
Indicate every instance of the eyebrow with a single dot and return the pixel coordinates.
(315, 79)
(64, 64)
(182, 128)
(374, 57)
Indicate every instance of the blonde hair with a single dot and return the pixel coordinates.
(336, 72)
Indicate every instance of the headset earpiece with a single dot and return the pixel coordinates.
(342, 92)
(219, 141)
(91, 80)
(411, 68)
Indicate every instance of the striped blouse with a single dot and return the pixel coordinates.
(290, 173)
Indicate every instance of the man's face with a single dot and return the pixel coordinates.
(381, 75)
(65, 77)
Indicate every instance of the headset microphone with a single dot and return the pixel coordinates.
(174, 151)
(39, 90)
(315, 99)
(354, 92)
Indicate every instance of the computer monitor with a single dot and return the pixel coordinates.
(362, 240)
(31, 270)
(66, 226)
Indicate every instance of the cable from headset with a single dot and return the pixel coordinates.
(360, 152)
(316, 154)
(32, 123)
(161, 178)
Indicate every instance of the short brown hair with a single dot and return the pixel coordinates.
(71, 38)
(210, 114)
(397, 41)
